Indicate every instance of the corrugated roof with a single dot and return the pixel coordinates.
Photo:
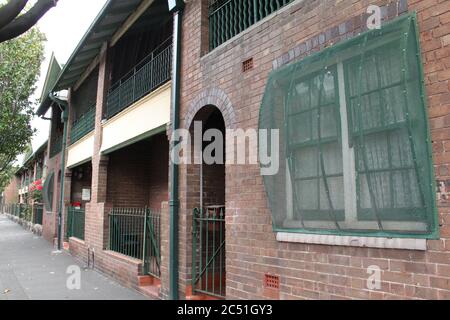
(106, 24)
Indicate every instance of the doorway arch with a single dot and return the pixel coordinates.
(207, 179)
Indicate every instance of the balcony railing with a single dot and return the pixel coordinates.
(136, 232)
(84, 125)
(228, 18)
(56, 146)
(75, 223)
(148, 75)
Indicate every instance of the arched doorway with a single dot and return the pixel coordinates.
(208, 172)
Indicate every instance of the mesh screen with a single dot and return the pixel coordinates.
(355, 155)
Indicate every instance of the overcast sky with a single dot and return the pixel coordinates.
(64, 26)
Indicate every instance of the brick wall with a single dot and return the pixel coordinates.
(11, 193)
(308, 271)
(138, 174)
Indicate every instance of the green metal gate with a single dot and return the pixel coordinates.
(136, 233)
(152, 244)
(208, 251)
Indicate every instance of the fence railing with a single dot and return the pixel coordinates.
(228, 18)
(19, 210)
(75, 223)
(56, 146)
(208, 251)
(149, 74)
(38, 213)
(83, 125)
(136, 232)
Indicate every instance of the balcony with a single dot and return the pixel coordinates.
(228, 18)
(84, 125)
(56, 146)
(148, 75)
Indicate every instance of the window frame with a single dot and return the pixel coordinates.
(432, 217)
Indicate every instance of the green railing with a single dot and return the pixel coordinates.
(38, 214)
(228, 18)
(151, 73)
(136, 232)
(83, 125)
(19, 210)
(75, 223)
(56, 146)
(208, 251)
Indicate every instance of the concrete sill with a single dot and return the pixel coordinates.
(350, 241)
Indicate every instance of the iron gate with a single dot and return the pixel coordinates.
(208, 251)
(152, 244)
(136, 233)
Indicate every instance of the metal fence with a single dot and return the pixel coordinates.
(19, 210)
(149, 74)
(75, 223)
(38, 213)
(83, 125)
(56, 146)
(208, 251)
(227, 18)
(136, 232)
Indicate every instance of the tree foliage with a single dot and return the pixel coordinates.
(20, 60)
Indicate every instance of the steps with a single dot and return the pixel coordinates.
(149, 286)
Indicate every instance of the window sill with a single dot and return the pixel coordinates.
(353, 241)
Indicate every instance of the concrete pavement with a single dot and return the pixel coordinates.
(29, 270)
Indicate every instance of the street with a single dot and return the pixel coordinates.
(29, 270)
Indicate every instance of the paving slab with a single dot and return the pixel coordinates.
(31, 270)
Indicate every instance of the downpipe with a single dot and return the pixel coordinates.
(63, 105)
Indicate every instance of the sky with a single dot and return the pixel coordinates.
(64, 26)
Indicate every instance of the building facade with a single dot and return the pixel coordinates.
(361, 182)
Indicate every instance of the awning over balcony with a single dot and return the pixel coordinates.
(106, 26)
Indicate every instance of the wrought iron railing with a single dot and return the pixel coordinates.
(208, 251)
(75, 223)
(38, 213)
(149, 74)
(56, 146)
(136, 232)
(83, 125)
(228, 18)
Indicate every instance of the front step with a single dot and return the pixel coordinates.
(149, 286)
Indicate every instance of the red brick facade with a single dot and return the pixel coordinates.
(137, 176)
(305, 270)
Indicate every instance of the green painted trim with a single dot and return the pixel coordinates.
(80, 163)
(138, 138)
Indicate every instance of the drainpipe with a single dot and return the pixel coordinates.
(176, 7)
(63, 105)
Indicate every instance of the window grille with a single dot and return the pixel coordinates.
(355, 151)
(228, 18)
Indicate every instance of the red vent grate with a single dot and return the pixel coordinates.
(247, 65)
(271, 281)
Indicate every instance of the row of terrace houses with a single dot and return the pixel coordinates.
(360, 110)
(23, 195)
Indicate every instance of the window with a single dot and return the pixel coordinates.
(48, 189)
(354, 139)
(228, 18)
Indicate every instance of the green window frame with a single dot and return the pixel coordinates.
(355, 139)
(48, 191)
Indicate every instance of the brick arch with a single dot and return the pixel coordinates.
(217, 98)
